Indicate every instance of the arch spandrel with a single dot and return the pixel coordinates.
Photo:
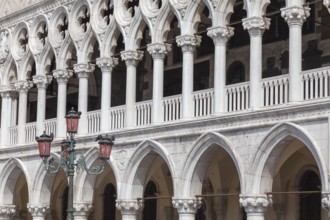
(260, 179)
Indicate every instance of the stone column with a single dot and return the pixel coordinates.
(326, 202)
(38, 211)
(6, 114)
(106, 64)
(7, 212)
(81, 211)
(83, 70)
(220, 36)
(62, 77)
(188, 44)
(42, 82)
(295, 16)
(256, 27)
(22, 87)
(186, 207)
(255, 205)
(158, 52)
(131, 58)
(129, 208)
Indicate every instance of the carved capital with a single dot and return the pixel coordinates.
(187, 205)
(107, 63)
(62, 76)
(131, 57)
(188, 42)
(326, 202)
(42, 81)
(255, 203)
(220, 35)
(256, 25)
(327, 4)
(38, 210)
(295, 15)
(23, 85)
(82, 209)
(129, 207)
(7, 211)
(8, 92)
(159, 50)
(83, 69)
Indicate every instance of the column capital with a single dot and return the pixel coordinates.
(23, 85)
(38, 210)
(83, 69)
(187, 205)
(326, 201)
(8, 92)
(62, 76)
(256, 25)
(220, 35)
(42, 81)
(106, 63)
(188, 42)
(255, 203)
(159, 50)
(129, 207)
(7, 211)
(326, 3)
(131, 57)
(82, 209)
(295, 15)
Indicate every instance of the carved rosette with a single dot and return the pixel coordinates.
(188, 42)
(220, 35)
(255, 203)
(131, 57)
(83, 69)
(107, 63)
(326, 202)
(159, 50)
(38, 210)
(62, 76)
(6, 211)
(42, 81)
(295, 15)
(327, 4)
(256, 25)
(82, 209)
(129, 207)
(187, 205)
(23, 86)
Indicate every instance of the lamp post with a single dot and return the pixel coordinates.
(70, 159)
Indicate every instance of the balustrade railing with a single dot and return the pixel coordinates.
(94, 121)
(50, 126)
(316, 83)
(30, 132)
(13, 135)
(172, 108)
(238, 97)
(275, 90)
(143, 113)
(203, 102)
(117, 117)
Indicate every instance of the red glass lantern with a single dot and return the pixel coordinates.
(65, 147)
(44, 144)
(106, 144)
(72, 119)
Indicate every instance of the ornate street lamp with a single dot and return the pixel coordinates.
(70, 159)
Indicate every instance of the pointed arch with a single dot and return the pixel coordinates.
(275, 136)
(9, 70)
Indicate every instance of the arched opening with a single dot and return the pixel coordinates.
(150, 205)
(235, 73)
(65, 202)
(32, 95)
(73, 82)
(109, 202)
(51, 92)
(59, 197)
(21, 199)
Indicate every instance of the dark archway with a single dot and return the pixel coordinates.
(109, 202)
(236, 73)
(150, 205)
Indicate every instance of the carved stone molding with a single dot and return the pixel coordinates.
(256, 25)
(187, 205)
(4, 46)
(107, 63)
(23, 85)
(131, 57)
(188, 42)
(327, 4)
(62, 76)
(295, 15)
(82, 209)
(42, 81)
(255, 203)
(83, 69)
(220, 35)
(129, 207)
(159, 50)
(6, 211)
(38, 210)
